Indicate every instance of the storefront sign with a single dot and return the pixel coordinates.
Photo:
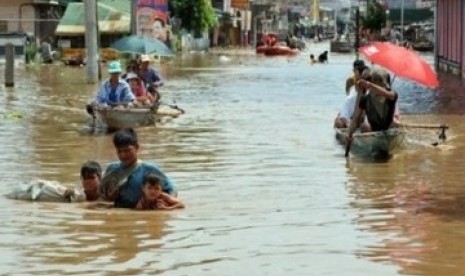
(240, 4)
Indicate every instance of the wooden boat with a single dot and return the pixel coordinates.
(340, 46)
(260, 49)
(374, 144)
(124, 117)
(423, 46)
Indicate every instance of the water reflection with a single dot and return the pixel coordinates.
(402, 207)
(117, 240)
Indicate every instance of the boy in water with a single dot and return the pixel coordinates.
(44, 190)
(91, 175)
(153, 198)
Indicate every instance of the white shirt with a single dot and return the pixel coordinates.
(348, 108)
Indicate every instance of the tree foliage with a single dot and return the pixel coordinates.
(375, 18)
(196, 16)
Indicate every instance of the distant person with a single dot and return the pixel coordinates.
(312, 59)
(44, 190)
(46, 51)
(323, 57)
(153, 197)
(122, 181)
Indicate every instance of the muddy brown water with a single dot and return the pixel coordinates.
(267, 189)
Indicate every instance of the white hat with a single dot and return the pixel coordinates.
(131, 75)
(144, 58)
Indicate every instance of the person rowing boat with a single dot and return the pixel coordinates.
(379, 104)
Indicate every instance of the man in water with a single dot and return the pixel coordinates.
(122, 181)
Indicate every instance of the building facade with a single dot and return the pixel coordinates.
(450, 36)
(36, 18)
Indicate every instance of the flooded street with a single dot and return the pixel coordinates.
(267, 187)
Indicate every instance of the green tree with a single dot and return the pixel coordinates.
(197, 16)
(375, 18)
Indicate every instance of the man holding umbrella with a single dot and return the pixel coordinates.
(151, 77)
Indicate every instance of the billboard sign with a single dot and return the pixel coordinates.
(152, 18)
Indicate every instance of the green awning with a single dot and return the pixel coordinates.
(113, 17)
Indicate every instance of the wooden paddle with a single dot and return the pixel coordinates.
(90, 108)
(349, 143)
(431, 126)
(174, 106)
(442, 127)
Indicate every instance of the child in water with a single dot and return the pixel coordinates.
(312, 59)
(153, 198)
(44, 190)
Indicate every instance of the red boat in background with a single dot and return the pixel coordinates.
(269, 46)
(278, 50)
(261, 49)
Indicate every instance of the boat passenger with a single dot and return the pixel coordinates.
(151, 77)
(122, 181)
(346, 113)
(154, 198)
(378, 104)
(115, 90)
(323, 57)
(46, 51)
(348, 108)
(358, 68)
(131, 66)
(138, 89)
(44, 190)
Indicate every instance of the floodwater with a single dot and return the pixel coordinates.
(267, 188)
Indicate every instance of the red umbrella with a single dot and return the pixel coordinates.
(402, 62)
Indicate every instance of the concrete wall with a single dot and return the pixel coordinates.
(10, 11)
(450, 42)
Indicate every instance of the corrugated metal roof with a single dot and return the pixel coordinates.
(113, 17)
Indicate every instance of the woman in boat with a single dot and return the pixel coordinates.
(138, 89)
(347, 111)
(379, 104)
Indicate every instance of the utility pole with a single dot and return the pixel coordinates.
(316, 11)
(402, 21)
(357, 33)
(436, 40)
(91, 41)
(133, 17)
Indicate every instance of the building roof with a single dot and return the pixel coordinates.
(113, 17)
